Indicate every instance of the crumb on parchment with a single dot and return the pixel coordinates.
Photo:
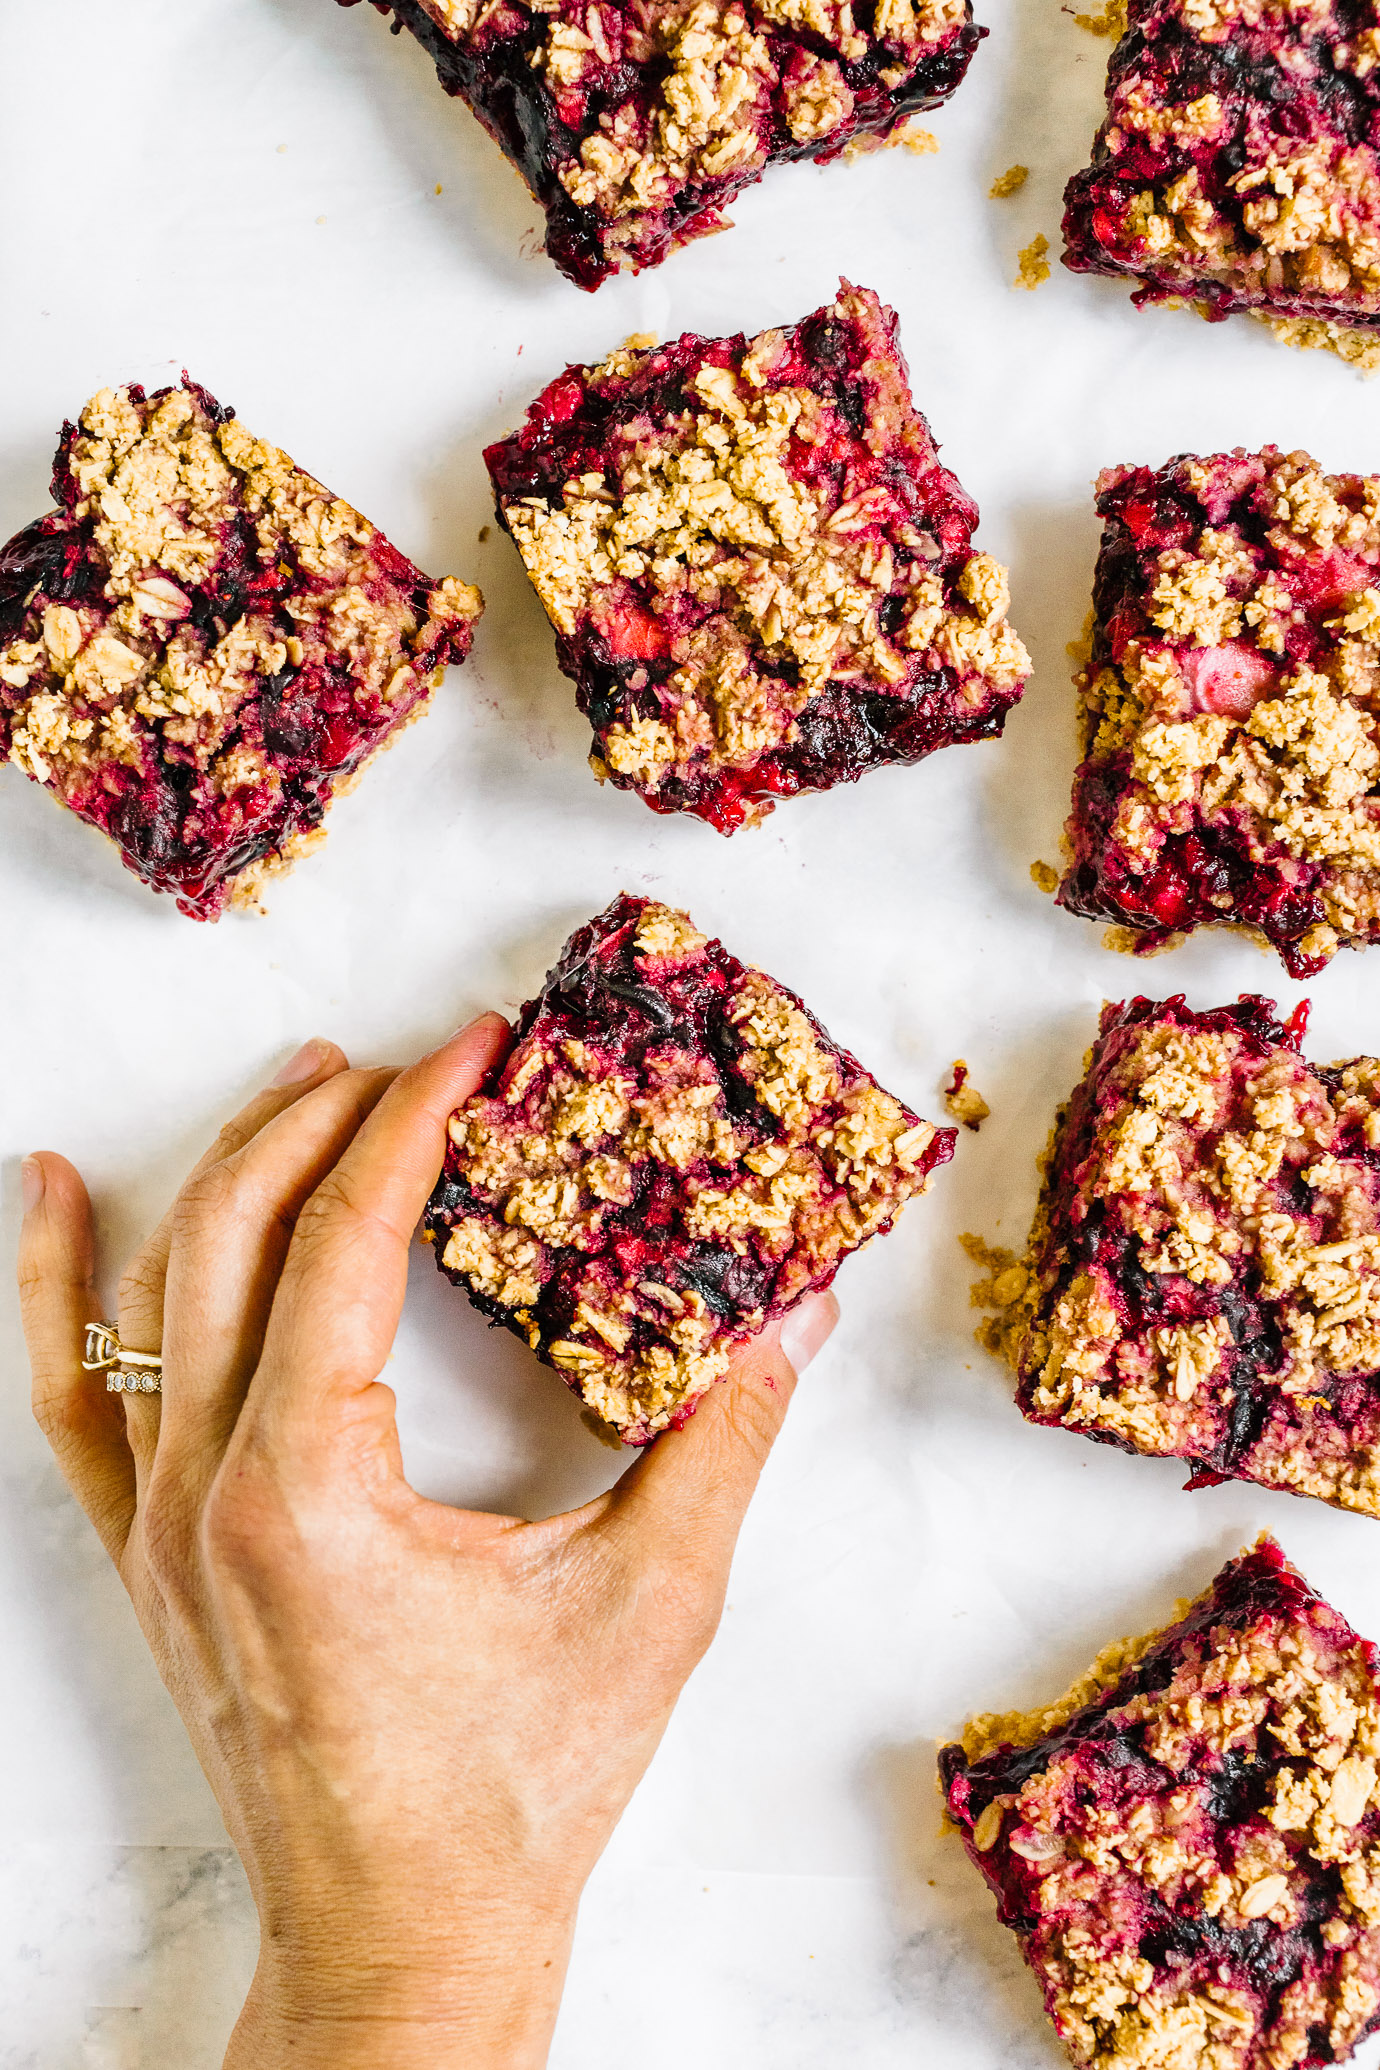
(1033, 263)
(963, 1100)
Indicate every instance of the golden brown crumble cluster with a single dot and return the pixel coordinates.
(792, 581)
(963, 1100)
(1195, 1864)
(1228, 1311)
(1033, 265)
(583, 1136)
(1239, 694)
(125, 671)
(721, 81)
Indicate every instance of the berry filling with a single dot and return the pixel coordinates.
(201, 645)
(1237, 166)
(672, 1154)
(1230, 757)
(634, 126)
(1187, 1845)
(759, 574)
(1202, 1279)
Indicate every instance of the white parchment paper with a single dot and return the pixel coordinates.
(275, 195)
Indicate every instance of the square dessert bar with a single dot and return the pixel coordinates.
(200, 646)
(1203, 1274)
(635, 125)
(759, 574)
(1187, 1845)
(1230, 758)
(1237, 167)
(672, 1154)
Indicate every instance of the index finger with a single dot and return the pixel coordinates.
(336, 1311)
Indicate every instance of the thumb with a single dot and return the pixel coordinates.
(690, 1490)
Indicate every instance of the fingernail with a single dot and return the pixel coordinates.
(806, 1328)
(477, 1020)
(30, 1184)
(308, 1060)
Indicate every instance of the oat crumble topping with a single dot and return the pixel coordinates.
(200, 645)
(1202, 1279)
(673, 1153)
(1009, 182)
(1188, 1844)
(760, 577)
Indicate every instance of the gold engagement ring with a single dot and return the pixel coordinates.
(126, 1372)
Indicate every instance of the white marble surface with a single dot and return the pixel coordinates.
(247, 188)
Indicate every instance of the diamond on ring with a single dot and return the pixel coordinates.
(127, 1372)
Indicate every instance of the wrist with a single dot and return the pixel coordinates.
(434, 1999)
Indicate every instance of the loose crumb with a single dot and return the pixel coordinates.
(1044, 876)
(1009, 182)
(1033, 263)
(922, 141)
(484, 531)
(963, 1100)
(1111, 21)
(439, 188)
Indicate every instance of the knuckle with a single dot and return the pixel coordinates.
(141, 1283)
(32, 1275)
(324, 1209)
(235, 1134)
(236, 1524)
(752, 1412)
(206, 1194)
(167, 1536)
(58, 1414)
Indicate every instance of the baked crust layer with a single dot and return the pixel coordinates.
(200, 646)
(672, 1154)
(759, 574)
(1188, 1845)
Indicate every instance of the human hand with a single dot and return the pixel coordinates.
(421, 1723)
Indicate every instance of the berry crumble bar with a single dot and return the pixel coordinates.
(672, 1154)
(1203, 1275)
(1187, 1845)
(759, 574)
(1230, 754)
(1237, 167)
(635, 125)
(200, 646)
